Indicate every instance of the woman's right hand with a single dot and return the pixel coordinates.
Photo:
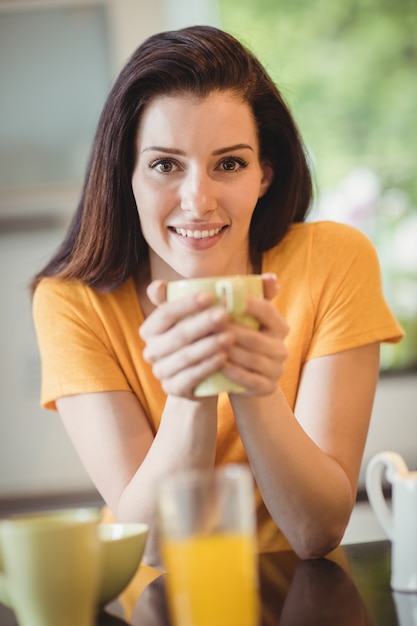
(186, 339)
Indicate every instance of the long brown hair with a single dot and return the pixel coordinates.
(104, 244)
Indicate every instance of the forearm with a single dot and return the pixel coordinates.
(186, 439)
(307, 493)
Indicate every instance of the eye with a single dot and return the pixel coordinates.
(165, 166)
(232, 164)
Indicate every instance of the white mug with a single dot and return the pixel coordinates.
(405, 608)
(400, 520)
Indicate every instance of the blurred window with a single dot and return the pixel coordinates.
(348, 70)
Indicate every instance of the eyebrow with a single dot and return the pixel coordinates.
(238, 146)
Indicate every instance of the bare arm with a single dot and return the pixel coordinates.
(124, 459)
(307, 466)
(113, 437)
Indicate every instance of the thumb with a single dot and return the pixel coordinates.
(271, 286)
(157, 292)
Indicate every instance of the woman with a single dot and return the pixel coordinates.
(197, 169)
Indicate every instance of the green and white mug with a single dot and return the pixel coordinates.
(232, 292)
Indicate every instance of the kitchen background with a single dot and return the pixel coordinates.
(58, 59)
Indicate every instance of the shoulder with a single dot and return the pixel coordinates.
(319, 241)
(50, 287)
(327, 234)
(53, 295)
(335, 234)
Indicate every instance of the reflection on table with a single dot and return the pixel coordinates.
(350, 588)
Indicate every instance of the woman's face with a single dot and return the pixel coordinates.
(196, 182)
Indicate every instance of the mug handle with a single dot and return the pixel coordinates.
(229, 296)
(391, 465)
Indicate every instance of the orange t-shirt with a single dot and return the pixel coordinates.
(330, 294)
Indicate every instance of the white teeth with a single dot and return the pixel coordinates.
(197, 234)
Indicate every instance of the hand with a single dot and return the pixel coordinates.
(186, 339)
(256, 358)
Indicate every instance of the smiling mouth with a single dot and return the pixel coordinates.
(198, 234)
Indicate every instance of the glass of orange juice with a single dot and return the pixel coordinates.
(208, 547)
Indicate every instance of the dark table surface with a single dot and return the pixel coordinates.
(350, 589)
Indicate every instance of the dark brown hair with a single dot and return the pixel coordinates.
(104, 244)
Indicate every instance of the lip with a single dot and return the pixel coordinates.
(198, 236)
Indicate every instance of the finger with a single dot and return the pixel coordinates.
(254, 383)
(193, 355)
(270, 283)
(267, 316)
(256, 353)
(263, 340)
(185, 332)
(168, 314)
(184, 382)
(257, 373)
(266, 363)
(157, 291)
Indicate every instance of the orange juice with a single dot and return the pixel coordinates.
(212, 580)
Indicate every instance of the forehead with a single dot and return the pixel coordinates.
(218, 112)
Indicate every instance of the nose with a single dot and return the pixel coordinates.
(198, 193)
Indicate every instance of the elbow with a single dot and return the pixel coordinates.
(315, 551)
(318, 537)
(314, 545)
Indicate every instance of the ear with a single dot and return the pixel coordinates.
(267, 178)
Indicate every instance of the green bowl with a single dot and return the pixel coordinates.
(123, 545)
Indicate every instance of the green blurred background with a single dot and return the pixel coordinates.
(348, 70)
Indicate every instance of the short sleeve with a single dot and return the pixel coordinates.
(347, 292)
(76, 354)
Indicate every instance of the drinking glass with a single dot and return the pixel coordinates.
(208, 546)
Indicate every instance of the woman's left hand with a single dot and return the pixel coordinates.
(256, 358)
